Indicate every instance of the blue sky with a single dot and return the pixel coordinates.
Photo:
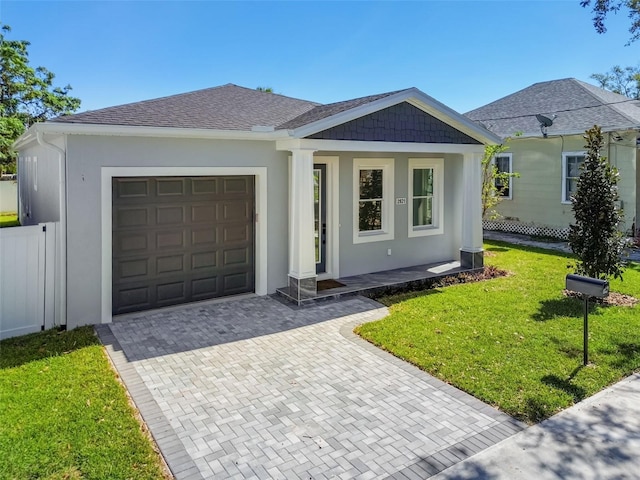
(463, 53)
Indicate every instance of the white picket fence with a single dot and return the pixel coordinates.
(27, 279)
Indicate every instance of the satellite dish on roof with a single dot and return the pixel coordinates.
(544, 123)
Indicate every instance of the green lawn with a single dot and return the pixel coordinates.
(63, 414)
(9, 220)
(515, 342)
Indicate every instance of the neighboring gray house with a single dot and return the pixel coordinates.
(539, 201)
(230, 190)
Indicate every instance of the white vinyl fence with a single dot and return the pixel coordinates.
(27, 279)
(8, 196)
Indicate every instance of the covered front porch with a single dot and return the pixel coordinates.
(376, 283)
(403, 195)
(399, 250)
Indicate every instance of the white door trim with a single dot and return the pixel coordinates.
(107, 174)
(333, 216)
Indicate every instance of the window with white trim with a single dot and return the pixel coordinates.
(571, 162)
(372, 199)
(426, 180)
(503, 163)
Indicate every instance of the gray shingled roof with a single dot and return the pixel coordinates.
(325, 111)
(228, 107)
(578, 106)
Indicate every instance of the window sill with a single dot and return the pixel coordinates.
(368, 237)
(425, 232)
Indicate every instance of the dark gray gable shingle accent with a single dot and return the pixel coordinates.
(324, 111)
(399, 123)
(578, 106)
(228, 107)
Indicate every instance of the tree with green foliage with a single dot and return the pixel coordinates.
(601, 8)
(265, 89)
(27, 95)
(625, 81)
(494, 181)
(595, 237)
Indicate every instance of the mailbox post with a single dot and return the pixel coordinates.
(588, 287)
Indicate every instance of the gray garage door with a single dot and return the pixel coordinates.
(178, 240)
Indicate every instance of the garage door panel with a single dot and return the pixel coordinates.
(170, 264)
(170, 239)
(133, 187)
(204, 236)
(170, 215)
(236, 211)
(128, 269)
(201, 288)
(170, 186)
(236, 282)
(132, 242)
(201, 260)
(131, 299)
(236, 233)
(235, 257)
(238, 185)
(204, 213)
(131, 217)
(204, 186)
(177, 240)
(173, 292)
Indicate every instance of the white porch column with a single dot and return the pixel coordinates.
(302, 257)
(471, 253)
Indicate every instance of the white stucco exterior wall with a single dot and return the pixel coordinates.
(86, 155)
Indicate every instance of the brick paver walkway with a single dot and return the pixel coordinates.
(256, 389)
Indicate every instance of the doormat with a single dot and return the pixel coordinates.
(327, 284)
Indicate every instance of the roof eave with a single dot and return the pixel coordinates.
(60, 128)
(605, 129)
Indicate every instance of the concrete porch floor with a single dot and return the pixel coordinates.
(378, 282)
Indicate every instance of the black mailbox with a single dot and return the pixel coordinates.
(591, 287)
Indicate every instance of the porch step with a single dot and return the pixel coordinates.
(378, 283)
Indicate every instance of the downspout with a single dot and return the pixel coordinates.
(62, 236)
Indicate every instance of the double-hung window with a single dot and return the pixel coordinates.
(373, 199)
(504, 187)
(426, 180)
(571, 162)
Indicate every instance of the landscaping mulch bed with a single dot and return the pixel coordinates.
(614, 299)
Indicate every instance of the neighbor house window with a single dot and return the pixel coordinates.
(571, 162)
(504, 187)
(426, 205)
(373, 199)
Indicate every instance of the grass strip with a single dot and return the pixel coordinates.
(515, 342)
(64, 415)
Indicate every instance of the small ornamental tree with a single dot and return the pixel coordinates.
(494, 182)
(595, 237)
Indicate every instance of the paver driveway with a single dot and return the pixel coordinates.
(256, 389)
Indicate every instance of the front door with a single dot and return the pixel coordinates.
(320, 215)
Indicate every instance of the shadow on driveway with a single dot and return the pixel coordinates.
(163, 332)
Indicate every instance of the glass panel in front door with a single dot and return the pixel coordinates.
(317, 177)
(320, 216)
